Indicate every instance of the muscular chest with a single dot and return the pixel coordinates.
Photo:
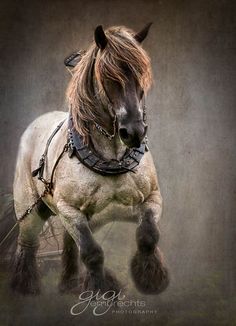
(91, 192)
(125, 190)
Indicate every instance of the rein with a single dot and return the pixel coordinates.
(104, 132)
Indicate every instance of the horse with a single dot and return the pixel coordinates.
(100, 170)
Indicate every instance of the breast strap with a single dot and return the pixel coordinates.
(88, 156)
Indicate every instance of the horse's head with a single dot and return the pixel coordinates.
(124, 71)
(121, 76)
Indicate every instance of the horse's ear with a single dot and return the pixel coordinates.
(100, 37)
(139, 37)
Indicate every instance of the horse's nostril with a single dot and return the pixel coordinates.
(124, 133)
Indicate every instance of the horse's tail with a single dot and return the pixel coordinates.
(9, 230)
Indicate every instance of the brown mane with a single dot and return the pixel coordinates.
(121, 47)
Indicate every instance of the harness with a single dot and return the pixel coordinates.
(88, 156)
(40, 169)
(84, 153)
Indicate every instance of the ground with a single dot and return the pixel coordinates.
(197, 302)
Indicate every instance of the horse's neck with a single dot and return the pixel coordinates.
(109, 149)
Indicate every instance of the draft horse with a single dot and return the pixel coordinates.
(96, 169)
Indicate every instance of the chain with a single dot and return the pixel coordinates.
(104, 132)
(109, 136)
(47, 190)
(27, 212)
(31, 207)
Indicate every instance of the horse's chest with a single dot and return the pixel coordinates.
(123, 191)
(97, 196)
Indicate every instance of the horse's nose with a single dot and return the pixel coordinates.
(124, 133)
(132, 137)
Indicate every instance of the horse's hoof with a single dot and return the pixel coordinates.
(148, 272)
(101, 283)
(25, 279)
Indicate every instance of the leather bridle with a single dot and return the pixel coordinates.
(110, 106)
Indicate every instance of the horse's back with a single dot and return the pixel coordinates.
(31, 148)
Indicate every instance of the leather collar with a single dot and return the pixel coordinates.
(88, 156)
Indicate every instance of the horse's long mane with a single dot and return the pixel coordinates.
(121, 48)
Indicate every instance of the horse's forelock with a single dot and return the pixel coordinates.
(121, 48)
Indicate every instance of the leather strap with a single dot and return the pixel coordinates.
(39, 171)
(72, 60)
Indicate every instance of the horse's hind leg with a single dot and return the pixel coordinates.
(25, 278)
(70, 273)
(147, 267)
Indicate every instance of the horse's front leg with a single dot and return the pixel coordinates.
(70, 274)
(97, 277)
(148, 271)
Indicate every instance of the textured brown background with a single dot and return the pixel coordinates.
(192, 116)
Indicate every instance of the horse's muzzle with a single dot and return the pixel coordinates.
(133, 136)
